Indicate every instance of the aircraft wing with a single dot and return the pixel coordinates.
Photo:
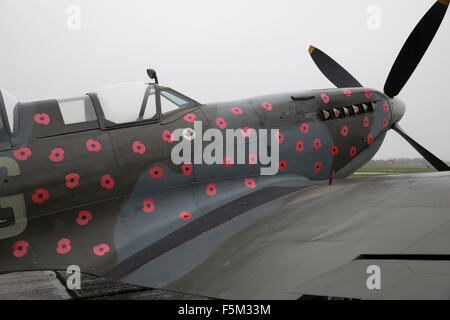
(321, 243)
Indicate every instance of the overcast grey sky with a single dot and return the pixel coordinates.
(219, 50)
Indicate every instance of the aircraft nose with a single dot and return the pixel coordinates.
(398, 109)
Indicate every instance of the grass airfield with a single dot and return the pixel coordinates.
(373, 172)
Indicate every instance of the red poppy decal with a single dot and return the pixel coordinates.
(317, 167)
(167, 136)
(236, 110)
(370, 139)
(101, 249)
(317, 144)
(84, 217)
(93, 146)
(40, 196)
(185, 215)
(246, 132)
(385, 122)
(187, 169)
(304, 128)
(211, 189)
(366, 121)
(22, 154)
(72, 180)
(368, 94)
(334, 150)
(228, 162)
(267, 106)
(279, 137)
(325, 98)
(347, 92)
(299, 146)
(57, 155)
(63, 246)
(148, 205)
(190, 117)
(138, 147)
(353, 152)
(221, 123)
(42, 118)
(107, 182)
(282, 165)
(344, 131)
(20, 248)
(386, 107)
(250, 183)
(252, 159)
(156, 172)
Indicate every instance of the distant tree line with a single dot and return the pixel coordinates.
(398, 163)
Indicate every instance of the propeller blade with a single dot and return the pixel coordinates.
(332, 70)
(414, 48)
(431, 158)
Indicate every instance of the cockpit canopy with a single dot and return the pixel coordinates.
(137, 101)
(110, 106)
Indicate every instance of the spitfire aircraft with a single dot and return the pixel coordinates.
(89, 181)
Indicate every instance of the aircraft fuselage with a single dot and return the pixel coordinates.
(65, 194)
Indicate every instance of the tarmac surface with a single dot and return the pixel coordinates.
(51, 285)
